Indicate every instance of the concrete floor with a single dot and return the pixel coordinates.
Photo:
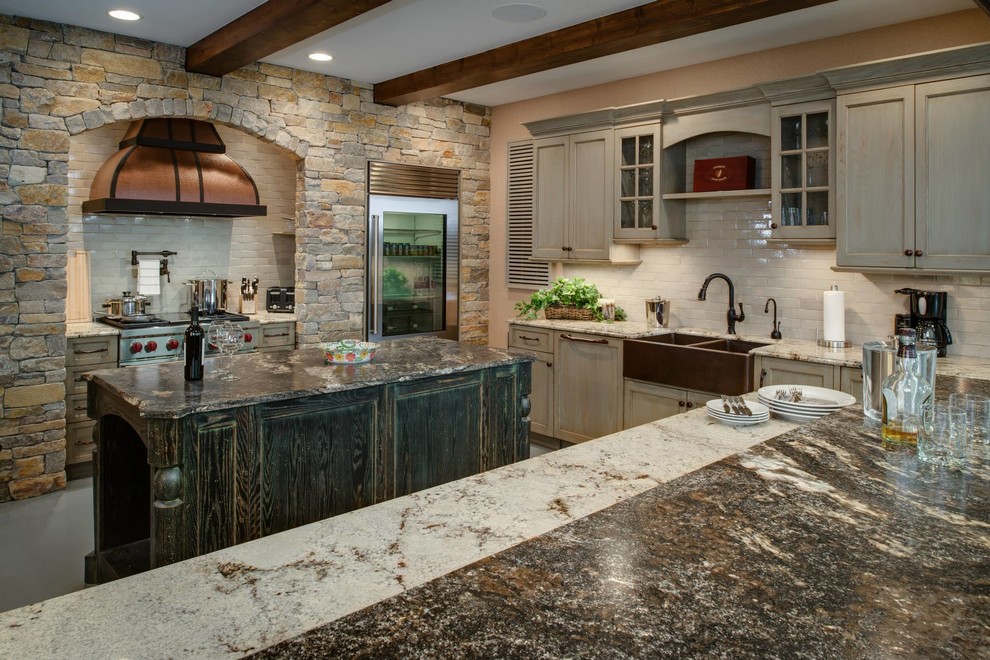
(43, 542)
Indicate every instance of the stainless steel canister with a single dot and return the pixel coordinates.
(209, 294)
(657, 312)
(878, 363)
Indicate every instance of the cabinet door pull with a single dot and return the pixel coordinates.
(918, 253)
(284, 334)
(587, 341)
(80, 408)
(908, 252)
(95, 350)
(549, 364)
(528, 338)
(690, 405)
(680, 404)
(763, 377)
(78, 379)
(80, 443)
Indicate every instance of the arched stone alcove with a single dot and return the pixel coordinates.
(59, 81)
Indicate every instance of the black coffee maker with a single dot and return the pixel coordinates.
(928, 317)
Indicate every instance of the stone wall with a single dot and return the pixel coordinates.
(57, 81)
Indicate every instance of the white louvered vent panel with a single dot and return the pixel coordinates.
(521, 272)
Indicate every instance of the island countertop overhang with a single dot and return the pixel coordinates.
(161, 392)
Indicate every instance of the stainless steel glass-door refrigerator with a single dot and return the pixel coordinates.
(412, 267)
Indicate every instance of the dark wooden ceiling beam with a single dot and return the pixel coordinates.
(267, 29)
(984, 5)
(649, 24)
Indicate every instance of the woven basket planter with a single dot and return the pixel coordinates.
(569, 313)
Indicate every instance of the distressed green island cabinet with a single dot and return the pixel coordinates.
(182, 469)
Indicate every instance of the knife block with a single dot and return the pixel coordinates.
(248, 304)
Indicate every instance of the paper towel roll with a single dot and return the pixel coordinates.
(835, 315)
(149, 276)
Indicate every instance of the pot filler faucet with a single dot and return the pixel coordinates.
(731, 316)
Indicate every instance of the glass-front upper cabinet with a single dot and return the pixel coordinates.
(803, 171)
(637, 183)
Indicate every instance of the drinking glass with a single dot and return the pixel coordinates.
(977, 410)
(215, 337)
(231, 341)
(942, 436)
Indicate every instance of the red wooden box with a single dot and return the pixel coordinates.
(733, 173)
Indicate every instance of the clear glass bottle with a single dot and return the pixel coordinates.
(904, 392)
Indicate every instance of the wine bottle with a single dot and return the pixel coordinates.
(905, 392)
(194, 347)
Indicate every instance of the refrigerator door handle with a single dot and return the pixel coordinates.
(374, 250)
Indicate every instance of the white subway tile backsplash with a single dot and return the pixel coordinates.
(729, 236)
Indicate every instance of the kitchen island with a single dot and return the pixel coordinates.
(677, 538)
(292, 441)
(815, 544)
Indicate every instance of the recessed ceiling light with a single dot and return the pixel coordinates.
(519, 13)
(124, 15)
(320, 57)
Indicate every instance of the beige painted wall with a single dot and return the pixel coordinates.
(946, 31)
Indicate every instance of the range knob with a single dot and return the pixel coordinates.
(137, 347)
(151, 346)
(247, 337)
(171, 344)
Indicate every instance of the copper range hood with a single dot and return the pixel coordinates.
(170, 166)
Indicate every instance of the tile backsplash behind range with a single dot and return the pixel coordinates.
(260, 247)
(730, 236)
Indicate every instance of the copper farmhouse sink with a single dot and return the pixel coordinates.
(691, 362)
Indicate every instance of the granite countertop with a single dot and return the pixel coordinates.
(815, 544)
(682, 537)
(787, 349)
(89, 329)
(160, 391)
(96, 329)
(621, 329)
(247, 597)
(265, 318)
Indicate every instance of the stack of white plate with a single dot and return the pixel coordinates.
(815, 402)
(760, 413)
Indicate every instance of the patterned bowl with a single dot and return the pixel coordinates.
(348, 351)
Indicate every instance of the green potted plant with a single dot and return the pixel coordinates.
(567, 298)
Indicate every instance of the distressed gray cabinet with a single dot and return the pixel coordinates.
(273, 461)
(587, 386)
(83, 354)
(780, 371)
(277, 336)
(538, 343)
(647, 402)
(803, 170)
(573, 205)
(911, 176)
(577, 382)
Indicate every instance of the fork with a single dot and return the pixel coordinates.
(741, 405)
(725, 404)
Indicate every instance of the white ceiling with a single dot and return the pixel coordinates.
(408, 35)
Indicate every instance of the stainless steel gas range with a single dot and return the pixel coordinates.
(157, 339)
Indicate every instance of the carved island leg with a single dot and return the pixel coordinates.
(166, 540)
